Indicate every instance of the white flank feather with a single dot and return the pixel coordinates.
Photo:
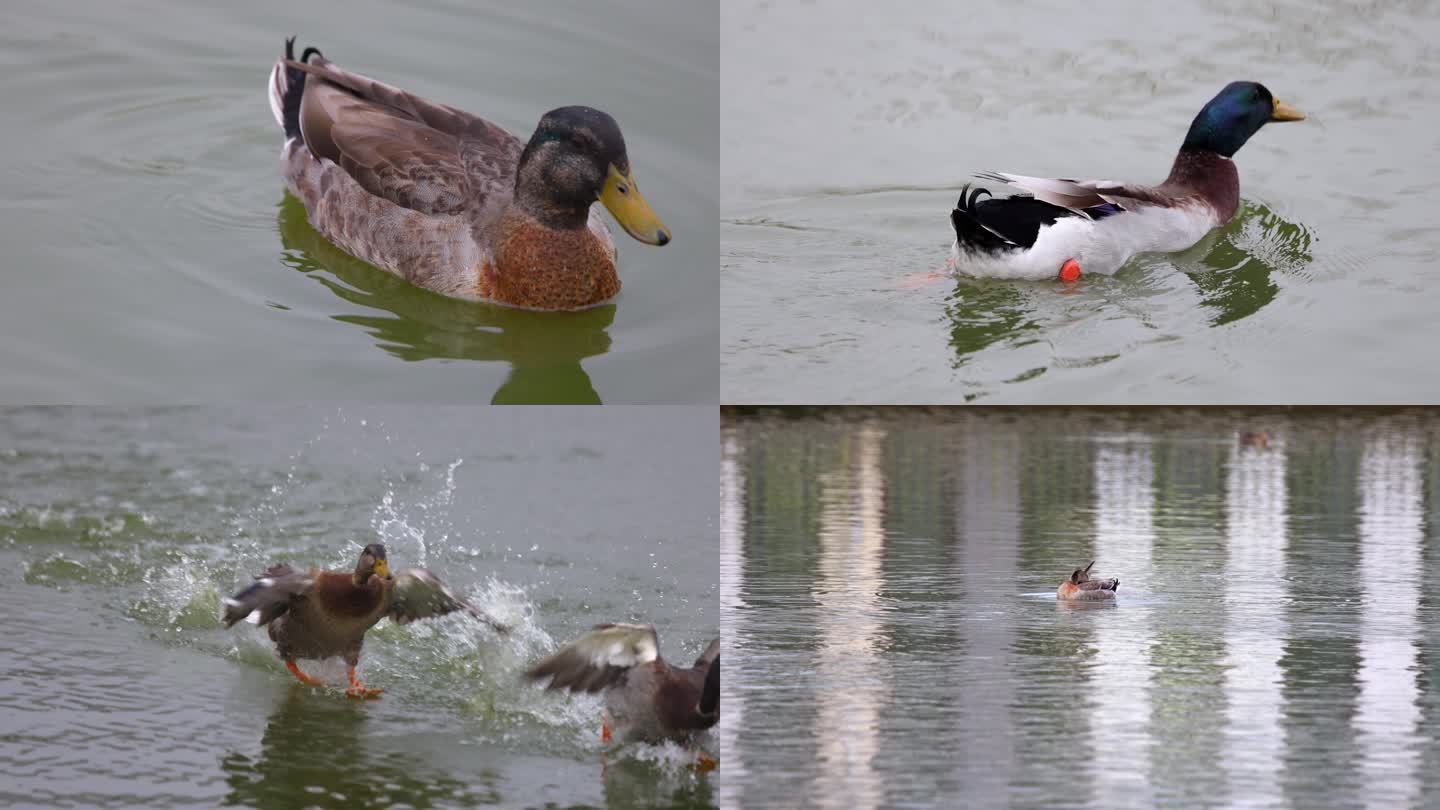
(1100, 246)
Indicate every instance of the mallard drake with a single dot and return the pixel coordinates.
(1081, 587)
(1064, 226)
(646, 697)
(452, 202)
(317, 614)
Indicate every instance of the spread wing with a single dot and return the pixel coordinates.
(598, 659)
(415, 153)
(1078, 195)
(270, 595)
(419, 594)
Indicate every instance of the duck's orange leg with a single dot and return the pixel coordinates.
(302, 677)
(358, 691)
(704, 763)
(605, 727)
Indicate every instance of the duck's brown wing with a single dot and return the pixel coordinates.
(418, 594)
(415, 153)
(599, 658)
(1079, 195)
(271, 595)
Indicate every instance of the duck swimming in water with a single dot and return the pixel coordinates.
(1081, 587)
(1065, 226)
(451, 202)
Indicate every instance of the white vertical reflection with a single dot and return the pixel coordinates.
(732, 585)
(1387, 714)
(1121, 673)
(988, 519)
(849, 621)
(1255, 594)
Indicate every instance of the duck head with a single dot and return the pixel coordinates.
(372, 561)
(577, 156)
(1228, 121)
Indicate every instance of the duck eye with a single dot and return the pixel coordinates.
(623, 189)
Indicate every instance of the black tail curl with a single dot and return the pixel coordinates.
(294, 88)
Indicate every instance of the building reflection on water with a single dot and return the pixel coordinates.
(1266, 647)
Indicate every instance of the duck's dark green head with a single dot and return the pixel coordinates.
(577, 156)
(1228, 121)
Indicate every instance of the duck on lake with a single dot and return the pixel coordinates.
(451, 202)
(1061, 226)
(315, 614)
(1081, 587)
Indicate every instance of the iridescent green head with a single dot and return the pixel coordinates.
(1228, 121)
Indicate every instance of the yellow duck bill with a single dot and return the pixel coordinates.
(622, 199)
(1284, 112)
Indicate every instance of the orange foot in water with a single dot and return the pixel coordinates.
(914, 281)
(1070, 270)
(358, 691)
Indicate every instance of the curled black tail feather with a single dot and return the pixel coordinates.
(294, 88)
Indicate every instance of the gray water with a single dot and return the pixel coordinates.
(120, 530)
(151, 254)
(893, 638)
(847, 132)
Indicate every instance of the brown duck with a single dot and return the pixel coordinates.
(451, 202)
(647, 698)
(317, 614)
(1081, 587)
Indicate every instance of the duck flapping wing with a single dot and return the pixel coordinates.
(599, 658)
(418, 594)
(269, 596)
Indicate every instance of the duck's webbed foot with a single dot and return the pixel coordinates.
(1070, 270)
(704, 763)
(605, 727)
(358, 691)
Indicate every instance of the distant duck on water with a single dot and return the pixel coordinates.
(1063, 226)
(1081, 587)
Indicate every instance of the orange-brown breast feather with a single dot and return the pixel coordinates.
(338, 595)
(544, 268)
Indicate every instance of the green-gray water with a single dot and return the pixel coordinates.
(120, 530)
(893, 637)
(847, 134)
(151, 254)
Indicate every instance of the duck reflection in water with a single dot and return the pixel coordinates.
(318, 752)
(544, 350)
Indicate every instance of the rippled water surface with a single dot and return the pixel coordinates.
(846, 134)
(893, 637)
(121, 530)
(151, 253)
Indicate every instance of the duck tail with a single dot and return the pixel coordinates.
(287, 85)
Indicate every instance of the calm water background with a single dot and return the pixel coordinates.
(150, 256)
(893, 638)
(847, 133)
(120, 530)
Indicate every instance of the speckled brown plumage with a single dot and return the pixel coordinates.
(454, 203)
